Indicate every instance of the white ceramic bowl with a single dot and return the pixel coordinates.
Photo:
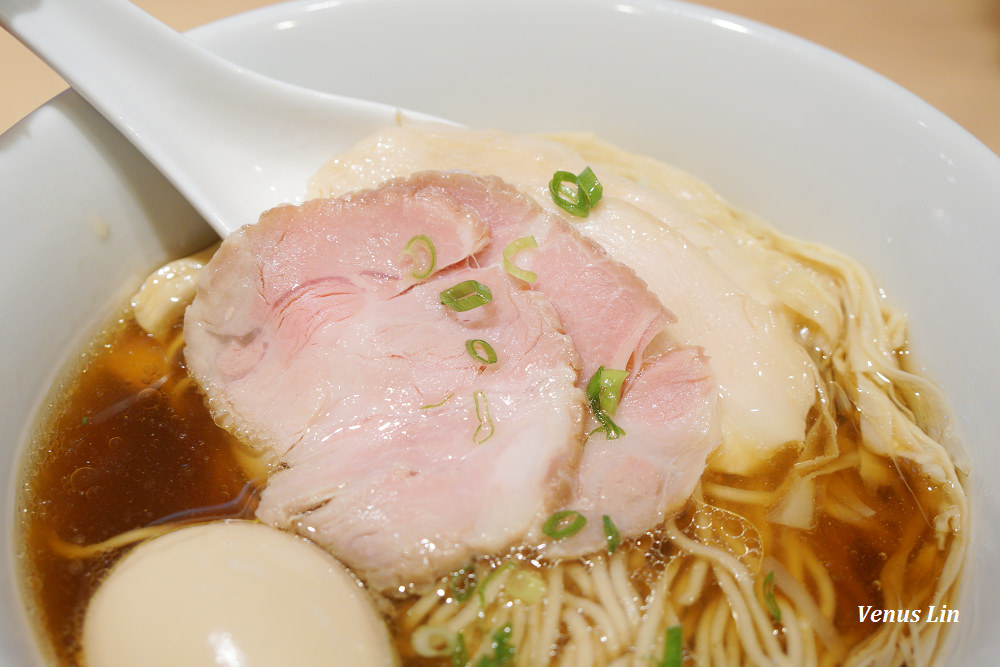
(818, 145)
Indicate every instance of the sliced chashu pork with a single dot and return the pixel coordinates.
(668, 405)
(717, 283)
(402, 454)
(434, 457)
(310, 338)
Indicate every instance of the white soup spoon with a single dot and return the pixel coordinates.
(234, 142)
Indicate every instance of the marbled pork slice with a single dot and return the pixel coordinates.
(464, 459)
(668, 405)
(605, 308)
(271, 285)
(668, 409)
(642, 478)
(400, 452)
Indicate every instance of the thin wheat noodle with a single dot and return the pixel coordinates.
(794, 644)
(420, 609)
(606, 594)
(692, 582)
(578, 575)
(553, 604)
(821, 578)
(603, 622)
(579, 637)
(624, 590)
(657, 606)
(804, 603)
(742, 496)
(751, 622)
(715, 632)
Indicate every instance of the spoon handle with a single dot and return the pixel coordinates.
(232, 141)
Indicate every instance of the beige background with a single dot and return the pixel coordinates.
(945, 51)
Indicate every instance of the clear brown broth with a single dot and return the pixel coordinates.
(128, 442)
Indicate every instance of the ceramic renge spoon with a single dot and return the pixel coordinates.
(234, 142)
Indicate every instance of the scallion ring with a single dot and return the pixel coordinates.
(606, 388)
(563, 524)
(463, 584)
(576, 193)
(673, 648)
(512, 249)
(439, 403)
(485, 429)
(769, 600)
(611, 534)
(528, 586)
(604, 392)
(413, 248)
(459, 654)
(590, 186)
(466, 295)
(481, 351)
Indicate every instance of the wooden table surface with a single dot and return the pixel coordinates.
(945, 51)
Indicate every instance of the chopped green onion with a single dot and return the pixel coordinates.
(459, 654)
(611, 534)
(485, 429)
(438, 404)
(474, 345)
(503, 651)
(463, 584)
(606, 387)
(434, 641)
(604, 392)
(576, 200)
(413, 248)
(466, 295)
(512, 249)
(591, 187)
(563, 524)
(527, 586)
(769, 600)
(673, 648)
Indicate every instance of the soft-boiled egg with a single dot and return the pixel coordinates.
(235, 594)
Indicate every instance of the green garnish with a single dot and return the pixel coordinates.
(526, 586)
(438, 404)
(512, 249)
(485, 429)
(413, 248)
(563, 524)
(769, 601)
(611, 534)
(503, 650)
(463, 584)
(673, 648)
(604, 392)
(474, 346)
(459, 654)
(466, 295)
(576, 200)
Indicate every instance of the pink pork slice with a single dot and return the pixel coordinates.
(400, 452)
(667, 409)
(403, 455)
